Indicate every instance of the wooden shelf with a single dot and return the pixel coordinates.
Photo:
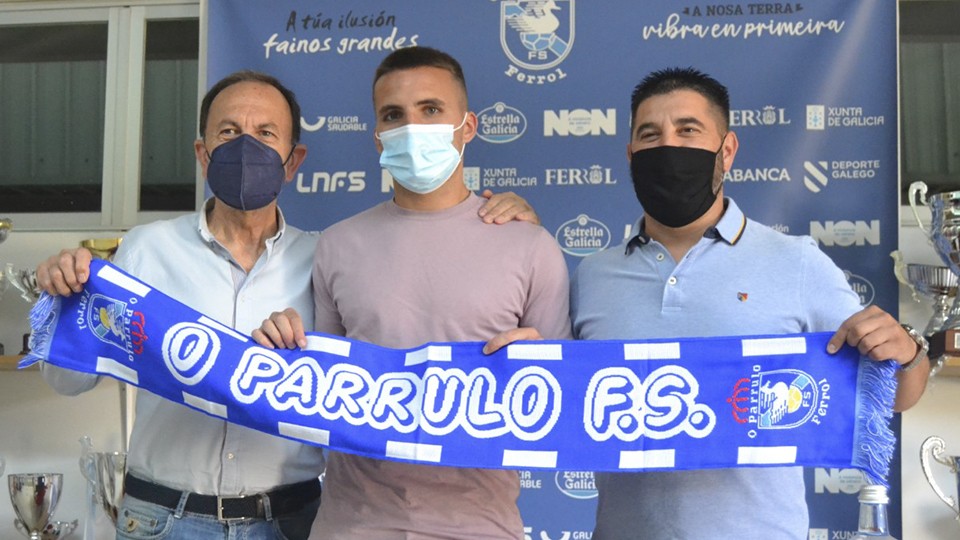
(9, 363)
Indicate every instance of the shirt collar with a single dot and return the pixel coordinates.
(729, 229)
(204, 228)
(731, 225)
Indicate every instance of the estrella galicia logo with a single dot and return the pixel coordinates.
(582, 236)
(777, 399)
(536, 34)
(107, 319)
(861, 286)
(576, 484)
(501, 123)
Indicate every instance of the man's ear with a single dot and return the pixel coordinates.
(200, 150)
(296, 159)
(469, 127)
(730, 146)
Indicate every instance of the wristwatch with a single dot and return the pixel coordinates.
(922, 344)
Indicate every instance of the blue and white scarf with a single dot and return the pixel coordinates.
(668, 404)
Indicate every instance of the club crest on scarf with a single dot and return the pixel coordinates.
(113, 322)
(779, 399)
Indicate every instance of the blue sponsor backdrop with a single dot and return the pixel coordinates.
(813, 92)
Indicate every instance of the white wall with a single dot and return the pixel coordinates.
(39, 430)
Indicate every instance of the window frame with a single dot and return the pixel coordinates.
(123, 115)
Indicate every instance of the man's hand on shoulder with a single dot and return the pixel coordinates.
(65, 273)
(504, 207)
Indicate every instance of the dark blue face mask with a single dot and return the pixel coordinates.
(245, 173)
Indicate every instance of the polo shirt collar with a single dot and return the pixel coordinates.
(729, 229)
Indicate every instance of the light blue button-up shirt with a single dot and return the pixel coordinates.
(171, 444)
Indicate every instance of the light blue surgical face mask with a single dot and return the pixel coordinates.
(421, 157)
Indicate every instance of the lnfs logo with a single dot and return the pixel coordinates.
(112, 322)
(536, 35)
(331, 182)
(778, 399)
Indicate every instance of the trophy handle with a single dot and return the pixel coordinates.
(88, 460)
(934, 447)
(921, 189)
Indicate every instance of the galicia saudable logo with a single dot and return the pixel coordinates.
(334, 124)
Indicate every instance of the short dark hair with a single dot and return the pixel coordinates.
(251, 76)
(414, 57)
(667, 80)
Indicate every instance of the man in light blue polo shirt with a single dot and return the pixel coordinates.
(696, 266)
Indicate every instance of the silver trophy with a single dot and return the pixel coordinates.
(104, 471)
(934, 447)
(34, 497)
(944, 233)
(53, 531)
(25, 281)
(931, 281)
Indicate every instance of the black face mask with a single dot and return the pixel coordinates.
(673, 183)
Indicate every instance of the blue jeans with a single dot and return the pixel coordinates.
(140, 520)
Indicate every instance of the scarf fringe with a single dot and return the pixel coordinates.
(43, 321)
(874, 439)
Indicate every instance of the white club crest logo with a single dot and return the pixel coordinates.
(536, 34)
